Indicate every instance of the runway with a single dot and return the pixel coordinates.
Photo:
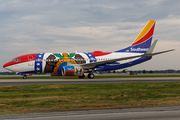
(86, 81)
(164, 113)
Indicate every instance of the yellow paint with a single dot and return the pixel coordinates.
(145, 30)
(65, 59)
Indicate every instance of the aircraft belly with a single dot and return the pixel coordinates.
(123, 65)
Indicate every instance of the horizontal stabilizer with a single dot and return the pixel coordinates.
(158, 53)
(150, 50)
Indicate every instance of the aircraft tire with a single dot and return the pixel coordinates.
(81, 77)
(24, 77)
(91, 75)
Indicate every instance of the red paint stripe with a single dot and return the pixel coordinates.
(23, 58)
(146, 37)
(96, 54)
(69, 73)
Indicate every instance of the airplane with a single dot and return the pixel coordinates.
(76, 64)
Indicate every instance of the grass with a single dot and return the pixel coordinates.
(53, 98)
(75, 77)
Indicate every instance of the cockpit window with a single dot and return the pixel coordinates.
(16, 60)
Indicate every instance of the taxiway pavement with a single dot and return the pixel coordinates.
(86, 81)
(164, 113)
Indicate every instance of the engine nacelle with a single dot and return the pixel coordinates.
(72, 70)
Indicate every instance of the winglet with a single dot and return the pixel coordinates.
(150, 50)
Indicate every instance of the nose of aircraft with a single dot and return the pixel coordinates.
(5, 65)
(8, 65)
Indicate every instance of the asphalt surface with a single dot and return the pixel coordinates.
(164, 113)
(85, 81)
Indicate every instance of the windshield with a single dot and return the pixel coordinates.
(16, 60)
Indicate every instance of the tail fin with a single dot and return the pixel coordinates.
(143, 41)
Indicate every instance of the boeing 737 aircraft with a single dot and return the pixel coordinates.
(76, 64)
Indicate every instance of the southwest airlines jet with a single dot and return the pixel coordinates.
(76, 64)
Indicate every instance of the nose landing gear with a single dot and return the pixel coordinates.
(24, 77)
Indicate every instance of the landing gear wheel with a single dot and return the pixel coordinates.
(24, 77)
(90, 75)
(81, 77)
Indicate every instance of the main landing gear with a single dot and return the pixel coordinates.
(81, 77)
(90, 76)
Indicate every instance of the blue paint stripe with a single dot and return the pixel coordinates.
(140, 48)
(38, 62)
(91, 57)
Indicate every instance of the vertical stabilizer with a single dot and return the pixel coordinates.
(143, 41)
(145, 34)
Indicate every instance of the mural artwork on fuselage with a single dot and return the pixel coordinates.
(50, 64)
(55, 61)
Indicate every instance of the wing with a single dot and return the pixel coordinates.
(92, 65)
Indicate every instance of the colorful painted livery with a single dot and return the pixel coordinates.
(76, 64)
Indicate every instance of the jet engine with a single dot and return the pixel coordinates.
(72, 70)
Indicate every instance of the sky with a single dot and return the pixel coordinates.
(38, 26)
